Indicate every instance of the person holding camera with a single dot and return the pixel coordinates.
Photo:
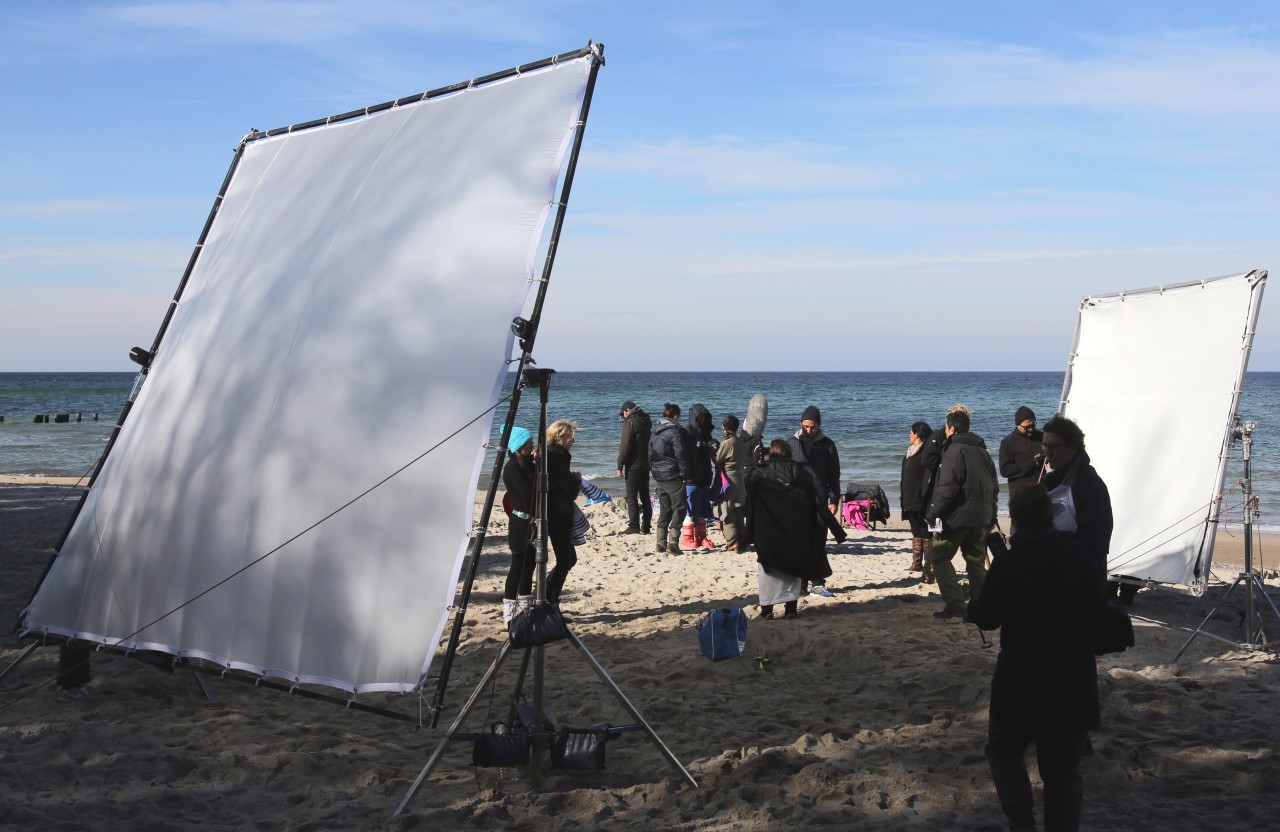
(1021, 452)
(963, 508)
(1042, 594)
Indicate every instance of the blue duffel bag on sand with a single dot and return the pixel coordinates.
(723, 633)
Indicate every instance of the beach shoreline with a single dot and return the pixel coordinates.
(868, 713)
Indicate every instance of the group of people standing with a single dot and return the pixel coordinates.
(781, 499)
(1045, 593)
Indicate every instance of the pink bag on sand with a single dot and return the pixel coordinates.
(855, 514)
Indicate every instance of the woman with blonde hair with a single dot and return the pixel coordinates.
(563, 486)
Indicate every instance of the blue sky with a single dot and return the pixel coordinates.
(765, 186)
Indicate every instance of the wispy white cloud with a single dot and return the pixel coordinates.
(312, 21)
(89, 206)
(1213, 73)
(738, 166)
(339, 29)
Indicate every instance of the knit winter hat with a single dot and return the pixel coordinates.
(1024, 413)
(519, 436)
(811, 414)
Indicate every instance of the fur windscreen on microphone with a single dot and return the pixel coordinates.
(757, 415)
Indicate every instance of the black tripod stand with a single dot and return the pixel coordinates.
(538, 734)
(1254, 634)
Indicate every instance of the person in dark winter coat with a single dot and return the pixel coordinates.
(519, 476)
(1042, 594)
(1021, 452)
(633, 466)
(563, 486)
(787, 521)
(909, 488)
(1081, 501)
(817, 450)
(669, 463)
(930, 461)
(702, 446)
(964, 499)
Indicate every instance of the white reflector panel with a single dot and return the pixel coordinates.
(1154, 385)
(350, 309)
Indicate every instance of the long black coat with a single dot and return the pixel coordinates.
(786, 522)
(702, 446)
(1043, 596)
(521, 488)
(911, 484)
(1094, 520)
(562, 488)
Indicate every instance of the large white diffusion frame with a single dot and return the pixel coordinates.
(350, 309)
(1154, 382)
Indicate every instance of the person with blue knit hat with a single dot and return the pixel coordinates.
(520, 476)
(519, 438)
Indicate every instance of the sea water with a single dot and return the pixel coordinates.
(867, 414)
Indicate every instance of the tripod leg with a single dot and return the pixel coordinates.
(203, 683)
(1262, 588)
(453, 729)
(631, 709)
(31, 648)
(1213, 611)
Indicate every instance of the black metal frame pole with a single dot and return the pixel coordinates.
(528, 336)
(537, 729)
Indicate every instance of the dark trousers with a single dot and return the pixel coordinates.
(970, 542)
(672, 508)
(566, 558)
(73, 664)
(639, 503)
(520, 577)
(1058, 753)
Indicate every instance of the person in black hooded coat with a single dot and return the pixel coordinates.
(787, 522)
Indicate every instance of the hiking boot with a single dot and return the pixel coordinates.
(631, 530)
(660, 547)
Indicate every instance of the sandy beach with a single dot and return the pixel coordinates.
(869, 714)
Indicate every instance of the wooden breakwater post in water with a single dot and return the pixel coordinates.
(59, 418)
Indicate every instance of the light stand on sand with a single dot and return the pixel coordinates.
(536, 728)
(1254, 634)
